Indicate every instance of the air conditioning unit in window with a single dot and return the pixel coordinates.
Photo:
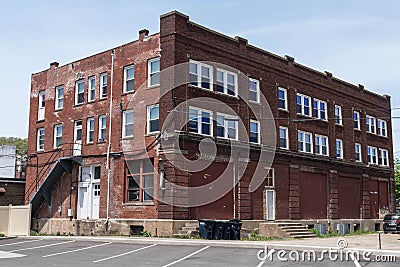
(79, 75)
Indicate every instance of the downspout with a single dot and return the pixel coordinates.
(109, 137)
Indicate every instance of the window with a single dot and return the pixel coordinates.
(304, 142)
(226, 82)
(254, 90)
(319, 110)
(103, 85)
(92, 88)
(372, 155)
(269, 178)
(79, 92)
(200, 75)
(356, 119)
(358, 152)
(40, 139)
(338, 115)
(371, 124)
(283, 138)
(282, 98)
(303, 105)
(59, 103)
(153, 114)
(227, 126)
(129, 79)
(200, 121)
(42, 102)
(339, 149)
(127, 123)
(90, 130)
(154, 72)
(321, 145)
(384, 157)
(382, 126)
(102, 128)
(97, 172)
(57, 135)
(254, 132)
(140, 180)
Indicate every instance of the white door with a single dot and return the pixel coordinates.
(83, 201)
(96, 200)
(42, 98)
(77, 138)
(270, 205)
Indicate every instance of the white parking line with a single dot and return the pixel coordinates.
(16, 243)
(44, 246)
(123, 254)
(188, 256)
(76, 250)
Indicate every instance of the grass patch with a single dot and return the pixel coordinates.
(2, 235)
(257, 237)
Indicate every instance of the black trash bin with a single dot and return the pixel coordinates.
(206, 229)
(219, 229)
(234, 229)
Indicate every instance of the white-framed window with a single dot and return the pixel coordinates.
(79, 92)
(303, 105)
(200, 75)
(153, 72)
(270, 178)
(254, 132)
(338, 115)
(200, 121)
(59, 101)
(384, 154)
(153, 116)
(57, 135)
(357, 148)
(226, 82)
(227, 126)
(382, 128)
(129, 78)
(339, 148)
(102, 128)
(127, 123)
(319, 110)
(40, 139)
(304, 142)
(90, 130)
(371, 124)
(103, 85)
(283, 137)
(372, 155)
(42, 103)
(92, 88)
(356, 120)
(282, 98)
(254, 90)
(321, 145)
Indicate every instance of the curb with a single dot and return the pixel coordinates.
(8, 237)
(212, 243)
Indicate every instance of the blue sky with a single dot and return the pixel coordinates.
(358, 41)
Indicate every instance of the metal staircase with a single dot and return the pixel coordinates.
(50, 173)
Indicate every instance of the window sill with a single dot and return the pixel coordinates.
(89, 144)
(285, 110)
(101, 141)
(224, 94)
(340, 125)
(127, 93)
(103, 99)
(58, 110)
(152, 134)
(127, 138)
(40, 121)
(198, 87)
(78, 105)
(153, 86)
(138, 204)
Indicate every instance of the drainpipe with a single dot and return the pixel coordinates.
(109, 137)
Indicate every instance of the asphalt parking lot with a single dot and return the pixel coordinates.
(70, 252)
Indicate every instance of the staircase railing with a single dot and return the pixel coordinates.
(46, 166)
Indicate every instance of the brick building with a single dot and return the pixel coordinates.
(118, 111)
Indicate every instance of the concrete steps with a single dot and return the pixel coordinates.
(295, 230)
(189, 230)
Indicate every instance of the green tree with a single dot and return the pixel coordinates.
(20, 143)
(397, 176)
